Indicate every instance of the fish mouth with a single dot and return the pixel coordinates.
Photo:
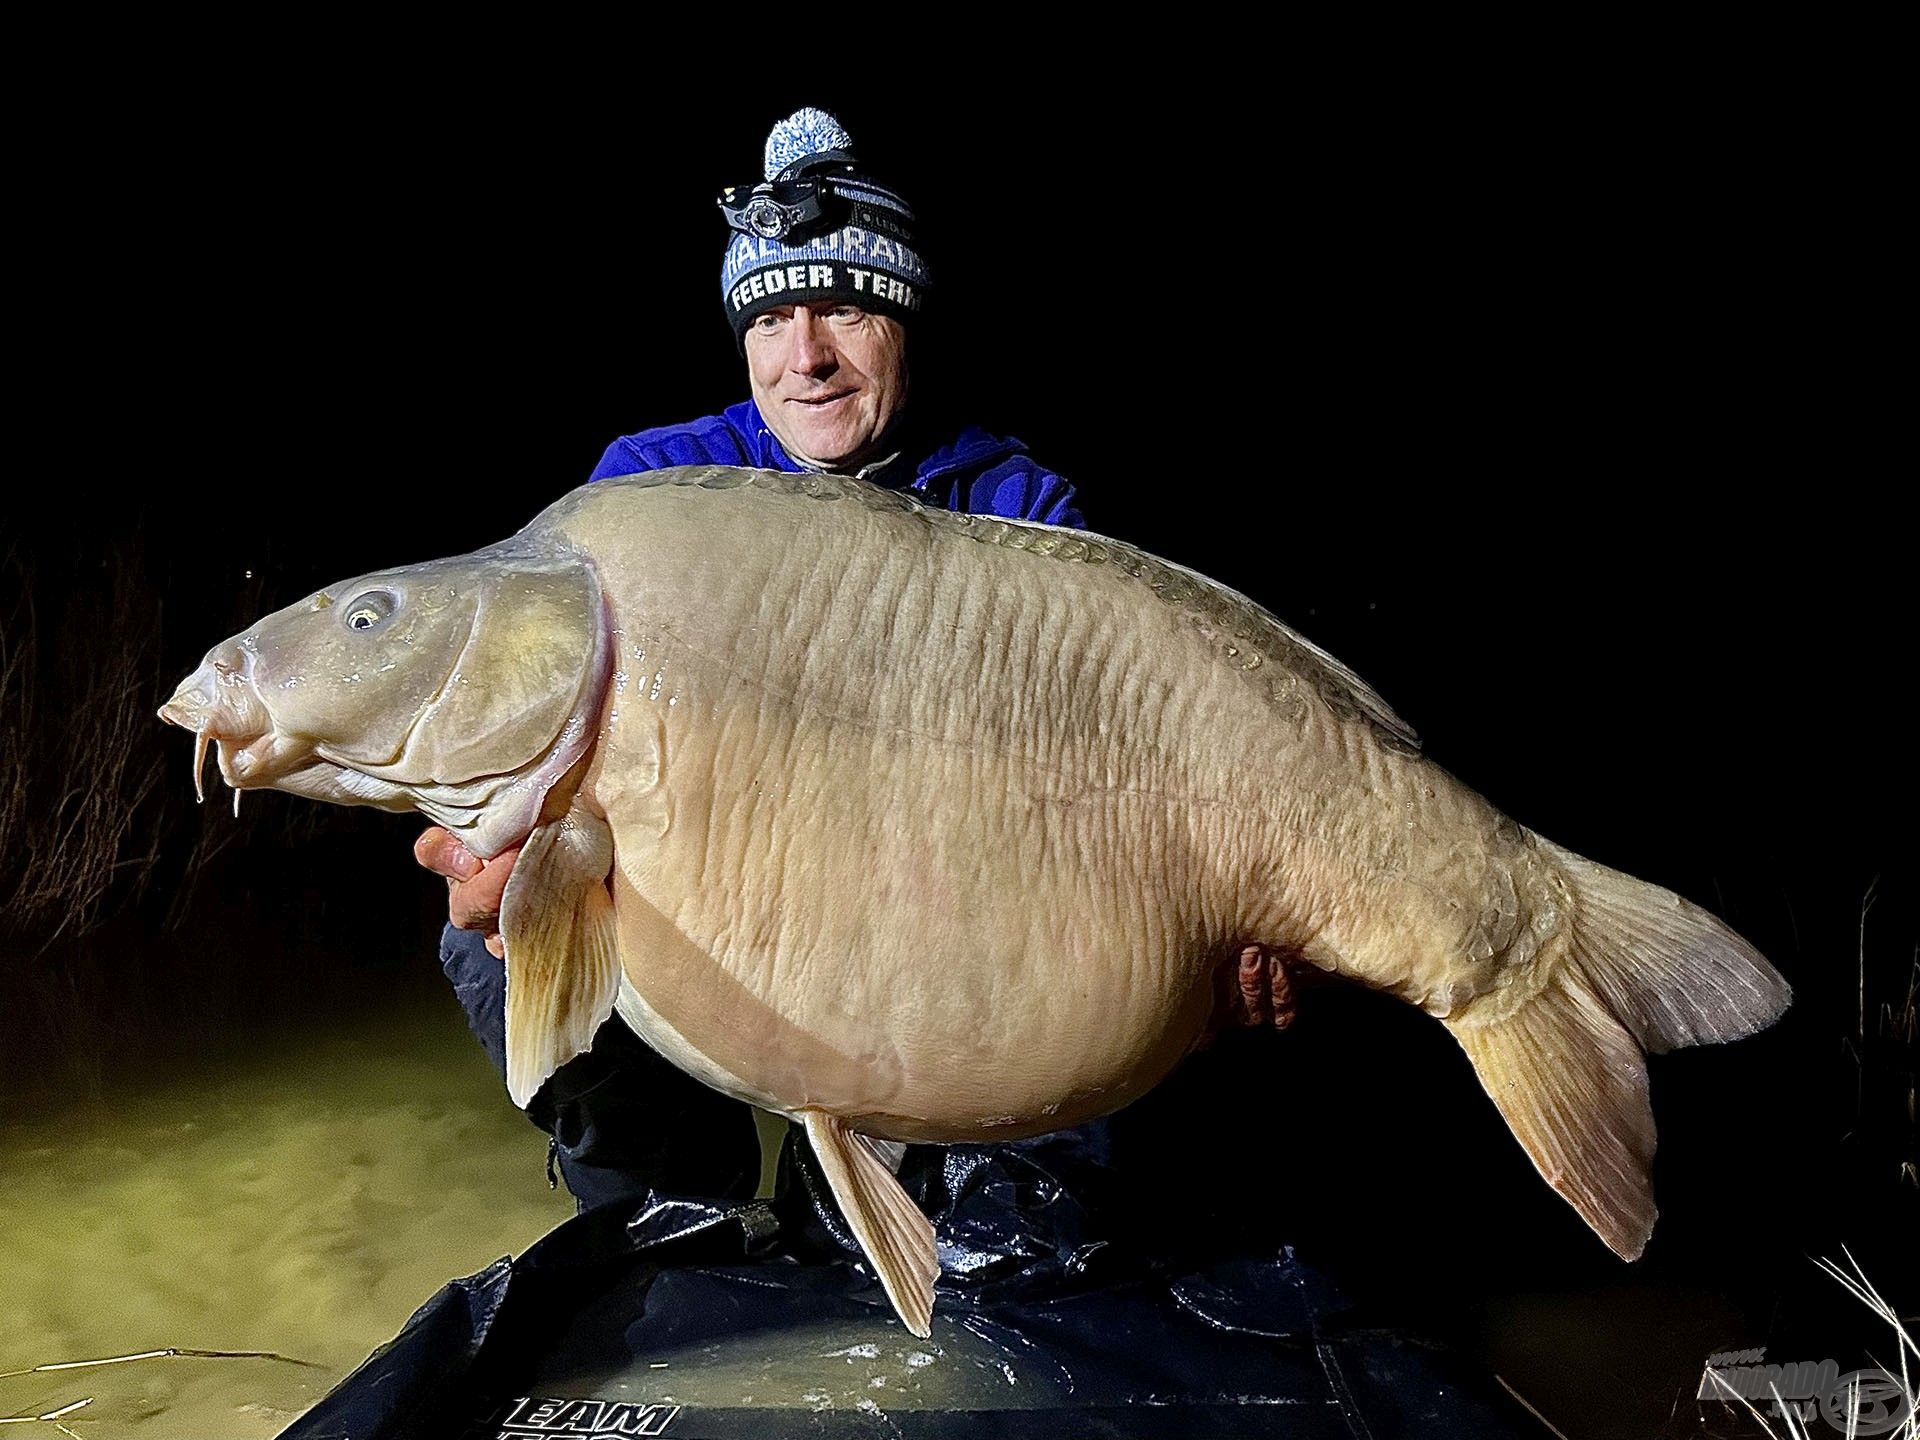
(219, 704)
(245, 762)
(258, 762)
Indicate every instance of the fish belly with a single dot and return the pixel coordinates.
(938, 975)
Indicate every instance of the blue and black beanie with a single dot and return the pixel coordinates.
(817, 230)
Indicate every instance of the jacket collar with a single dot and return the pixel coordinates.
(918, 459)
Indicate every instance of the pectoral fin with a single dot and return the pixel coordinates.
(898, 1239)
(563, 967)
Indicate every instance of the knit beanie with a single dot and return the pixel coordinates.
(817, 231)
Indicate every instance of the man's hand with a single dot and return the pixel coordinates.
(1264, 991)
(474, 886)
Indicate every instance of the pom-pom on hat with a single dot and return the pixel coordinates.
(817, 230)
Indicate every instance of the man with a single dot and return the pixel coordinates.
(822, 282)
(822, 278)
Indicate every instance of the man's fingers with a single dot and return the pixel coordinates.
(475, 904)
(1253, 987)
(1263, 988)
(474, 887)
(441, 853)
(1280, 992)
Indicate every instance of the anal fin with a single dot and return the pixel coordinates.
(563, 966)
(898, 1239)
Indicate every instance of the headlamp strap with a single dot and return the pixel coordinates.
(792, 202)
(873, 217)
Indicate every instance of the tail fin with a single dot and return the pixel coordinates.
(1642, 969)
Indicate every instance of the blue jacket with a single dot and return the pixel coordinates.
(970, 471)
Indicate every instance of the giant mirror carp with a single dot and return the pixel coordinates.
(920, 826)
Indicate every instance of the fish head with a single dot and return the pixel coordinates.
(462, 688)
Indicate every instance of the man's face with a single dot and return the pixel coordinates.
(829, 379)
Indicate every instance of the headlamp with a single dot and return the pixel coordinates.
(798, 201)
(773, 209)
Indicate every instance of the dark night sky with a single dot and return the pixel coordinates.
(1545, 403)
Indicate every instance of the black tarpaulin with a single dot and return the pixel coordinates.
(694, 1318)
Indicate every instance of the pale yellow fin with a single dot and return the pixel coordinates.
(563, 966)
(1673, 973)
(898, 1239)
(1639, 966)
(1572, 1085)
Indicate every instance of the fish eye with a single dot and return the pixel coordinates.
(368, 610)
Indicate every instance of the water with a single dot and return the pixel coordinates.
(302, 1201)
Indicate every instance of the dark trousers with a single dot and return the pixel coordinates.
(625, 1122)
